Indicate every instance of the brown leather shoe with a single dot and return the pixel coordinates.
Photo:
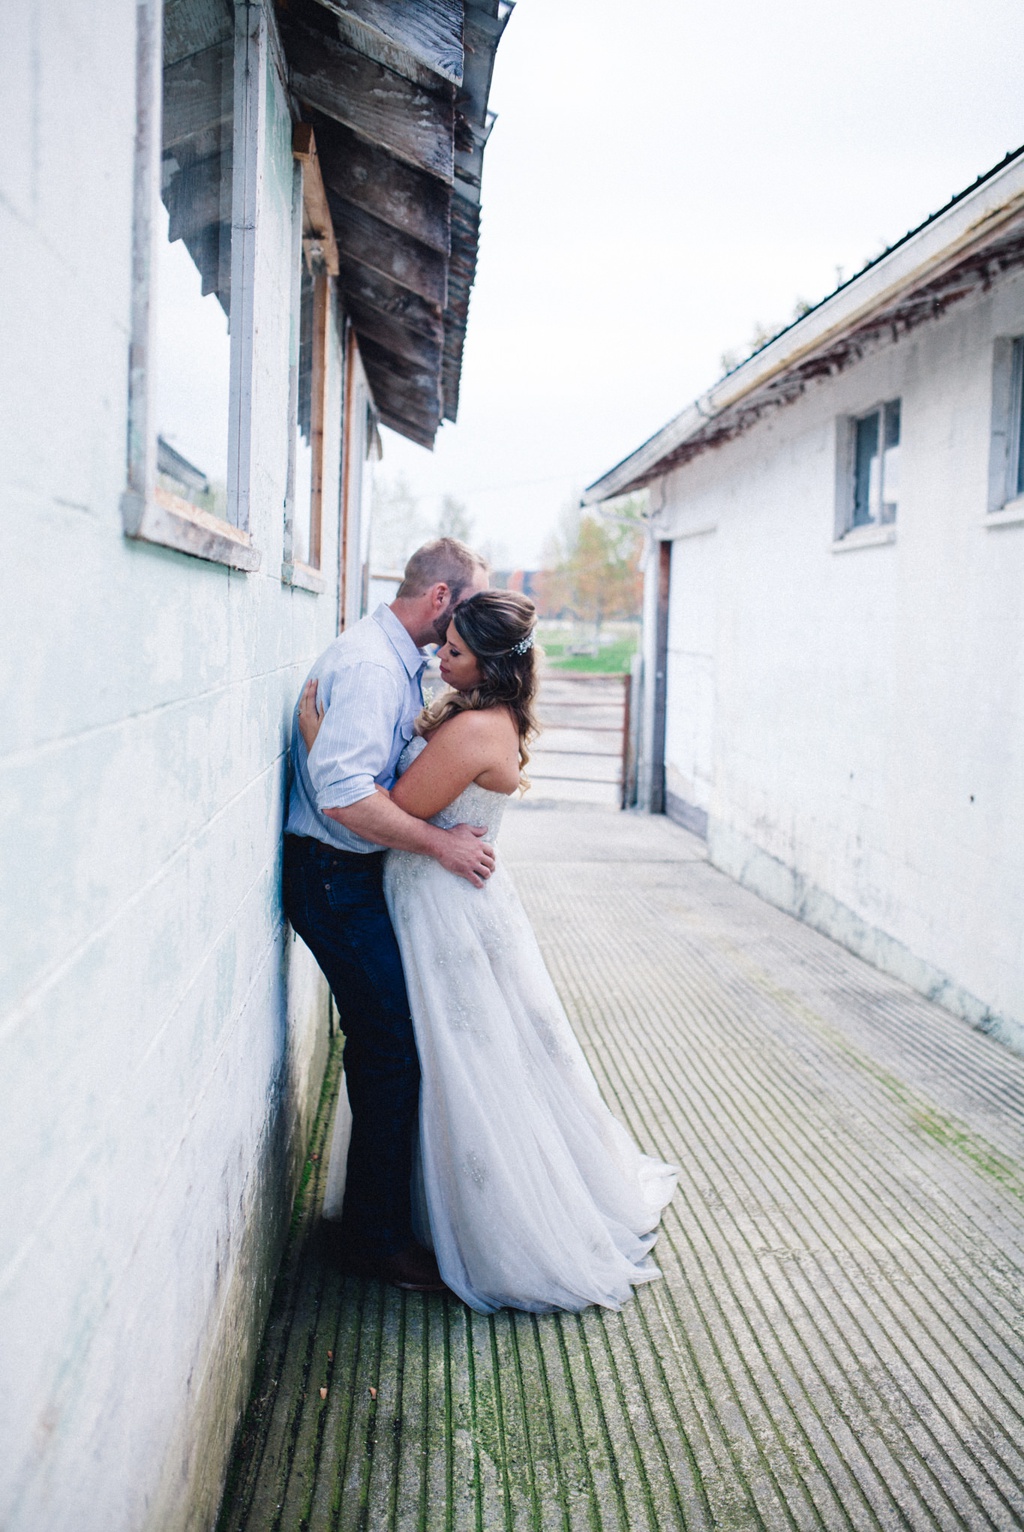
(414, 1269)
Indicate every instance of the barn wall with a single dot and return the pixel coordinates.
(851, 722)
(162, 1035)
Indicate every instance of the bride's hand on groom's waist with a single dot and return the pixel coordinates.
(465, 853)
(311, 713)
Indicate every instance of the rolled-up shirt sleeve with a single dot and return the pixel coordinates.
(352, 750)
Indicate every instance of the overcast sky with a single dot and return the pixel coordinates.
(665, 175)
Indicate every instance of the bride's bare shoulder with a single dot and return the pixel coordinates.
(485, 742)
(482, 723)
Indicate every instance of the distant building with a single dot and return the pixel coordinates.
(525, 580)
(233, 237)
(833, 685)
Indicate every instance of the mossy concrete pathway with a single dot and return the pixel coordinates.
(839, 1338)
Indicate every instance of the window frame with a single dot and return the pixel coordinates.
(848, 534)
(315, 248)
(1006, 456)
(151, 514)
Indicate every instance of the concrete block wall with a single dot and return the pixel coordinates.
(852, 722)
(162, 1036)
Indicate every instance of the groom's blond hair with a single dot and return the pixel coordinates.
(445, 559)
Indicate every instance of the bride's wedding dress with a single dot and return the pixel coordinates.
(535, 1196)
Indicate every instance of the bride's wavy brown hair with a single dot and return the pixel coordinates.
(491, 624)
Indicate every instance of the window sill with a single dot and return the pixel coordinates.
(1009, 515)
(168, 521)
(303, 577)
(864, 537)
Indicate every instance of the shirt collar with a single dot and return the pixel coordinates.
(412, 658)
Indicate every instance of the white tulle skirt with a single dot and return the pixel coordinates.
(532, 1194)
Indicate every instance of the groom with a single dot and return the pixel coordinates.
(337, 826)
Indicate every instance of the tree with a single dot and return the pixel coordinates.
(556, 590)
(606, 571)
(592, 565)
(495, 554)
(761, 335)
(396, 526)
(454, 520)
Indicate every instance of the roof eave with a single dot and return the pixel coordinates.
(942, 242)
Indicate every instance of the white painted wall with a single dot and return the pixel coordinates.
(853, 722)
(161, 1037)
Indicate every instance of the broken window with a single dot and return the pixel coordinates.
(316, 260)
(309, 432)
(192, 255)
(304, 422)
(876, 467)
(197, 153)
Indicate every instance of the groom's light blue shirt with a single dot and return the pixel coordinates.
(369, 682)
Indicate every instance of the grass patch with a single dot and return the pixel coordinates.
(612, 659)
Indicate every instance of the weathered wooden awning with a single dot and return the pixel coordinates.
(962, 248)
(397, 98)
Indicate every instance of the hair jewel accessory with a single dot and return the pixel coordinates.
(523, 645)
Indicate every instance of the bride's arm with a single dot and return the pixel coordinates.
(311, 713)
(460, 850)
(457, 753)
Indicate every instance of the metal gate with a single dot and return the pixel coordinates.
(579, 757)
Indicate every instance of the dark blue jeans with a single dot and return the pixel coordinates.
(335, 901)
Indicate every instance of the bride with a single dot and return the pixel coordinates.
(532, 1195)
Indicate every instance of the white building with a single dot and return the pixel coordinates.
(834, 657)
(232, 238)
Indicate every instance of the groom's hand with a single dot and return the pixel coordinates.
(465, 853)
(461, 851)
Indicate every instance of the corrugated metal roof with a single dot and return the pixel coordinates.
(978, 235)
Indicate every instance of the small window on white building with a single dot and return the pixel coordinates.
(876, 467)
(1006, 468)
(1016, 484)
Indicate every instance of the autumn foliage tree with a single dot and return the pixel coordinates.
(592, 566)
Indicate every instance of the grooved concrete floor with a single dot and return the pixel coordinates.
(839, 1338)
